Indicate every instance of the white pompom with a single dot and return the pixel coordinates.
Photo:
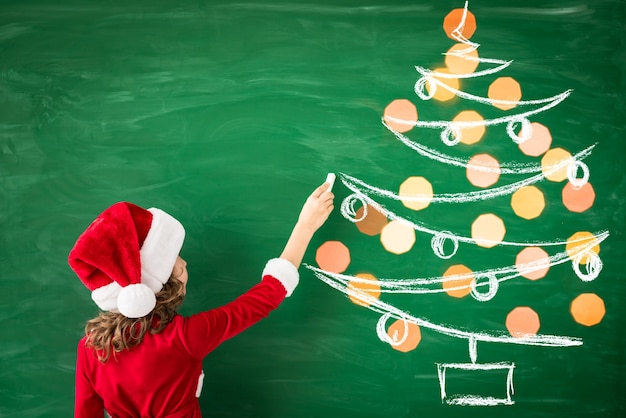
(136, 301)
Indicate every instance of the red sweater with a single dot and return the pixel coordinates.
(160, 377)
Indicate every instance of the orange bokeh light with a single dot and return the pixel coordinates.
(404, 111)
(373, 222)
(458, 287)
(333, 256)
(407, 332)
(583, 238)
(441, 92)
(506, 89)
(588, 309)
(371, 288)
(454, 19)
(578, 199)
(522, 322)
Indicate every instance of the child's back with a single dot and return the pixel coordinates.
(139, 365)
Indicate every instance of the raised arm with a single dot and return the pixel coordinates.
(203, 332)
(314, 213)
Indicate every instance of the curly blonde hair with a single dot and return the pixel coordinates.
(111, 332)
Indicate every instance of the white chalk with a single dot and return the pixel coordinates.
(330, 179)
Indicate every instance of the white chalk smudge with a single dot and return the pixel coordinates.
(355, 184)
(476, 400)
(389, 311)
(347, 211)
(505, 167)
(494, 276)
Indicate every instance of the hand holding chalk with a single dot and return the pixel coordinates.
(314, 213)
(318, 206)
(330, 179)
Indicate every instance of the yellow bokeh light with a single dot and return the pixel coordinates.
(458, 287)
(488, 230)
(441, 92)
(369, 288)
(552, 159)
(462, 59)
(416, 193)
(528, 202)
(397, 237)
(469, 135)
(584, 243)
(505, 89)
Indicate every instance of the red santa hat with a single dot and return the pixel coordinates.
(126, 256)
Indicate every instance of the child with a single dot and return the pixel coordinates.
(139, 358)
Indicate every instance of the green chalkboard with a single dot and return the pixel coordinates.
(227, 114)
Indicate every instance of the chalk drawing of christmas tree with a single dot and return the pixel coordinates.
(367, 207)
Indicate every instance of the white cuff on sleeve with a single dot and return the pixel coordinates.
(283, 271)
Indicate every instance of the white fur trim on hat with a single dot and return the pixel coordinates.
(283, 271)
(136, 300)
(106, 297)
(160, 249)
